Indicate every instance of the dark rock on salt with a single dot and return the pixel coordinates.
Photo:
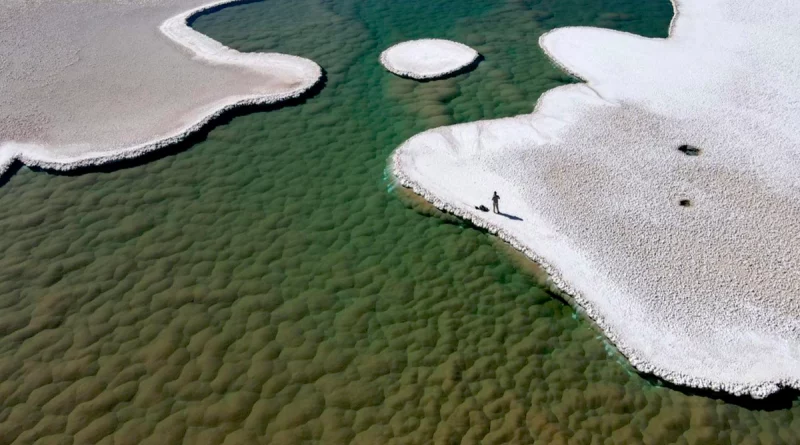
(689, 150)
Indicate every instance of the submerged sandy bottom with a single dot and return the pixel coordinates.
(703, 295)
(90, 82)
(263, 287)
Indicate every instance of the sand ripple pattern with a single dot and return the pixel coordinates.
(262, 287)
(686, 262)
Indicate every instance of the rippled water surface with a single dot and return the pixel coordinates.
(266, 284)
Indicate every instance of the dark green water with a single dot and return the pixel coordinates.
(267, 285)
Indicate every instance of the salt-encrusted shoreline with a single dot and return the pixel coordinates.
(426, 59)
(266, 78)
(699, 296)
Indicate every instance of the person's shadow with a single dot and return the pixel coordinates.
(512, 217)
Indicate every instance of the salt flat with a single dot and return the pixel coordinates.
(427, 58)
(704, 295)
(89, 81)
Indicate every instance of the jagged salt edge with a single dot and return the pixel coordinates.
(191, 40)
(757, 391)
(386, 64)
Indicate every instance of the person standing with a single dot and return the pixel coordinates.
(496, 203)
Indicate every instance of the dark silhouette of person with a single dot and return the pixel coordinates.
(496, 203)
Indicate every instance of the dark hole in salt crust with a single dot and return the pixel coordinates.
(685, 203)
(689, 150)
(783, 399)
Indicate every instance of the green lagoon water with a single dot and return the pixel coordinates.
(268, 284)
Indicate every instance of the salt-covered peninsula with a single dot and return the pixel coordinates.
(663, 193)
(91, 81)
(427, 58)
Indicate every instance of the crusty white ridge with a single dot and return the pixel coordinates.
(427, 58)
(706, 295)
(93, 81)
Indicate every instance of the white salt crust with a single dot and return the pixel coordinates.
(704, 296)
(427, 58)
(94, 81)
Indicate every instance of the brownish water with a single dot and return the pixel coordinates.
(267, 285)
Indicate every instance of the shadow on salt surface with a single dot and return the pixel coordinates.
(511, 217)
(782, 399)
(173, 149)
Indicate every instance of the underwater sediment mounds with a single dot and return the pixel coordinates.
(427, 58)
(707, 297)
(93, 82)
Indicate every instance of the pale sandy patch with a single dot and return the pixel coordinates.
(91, 81)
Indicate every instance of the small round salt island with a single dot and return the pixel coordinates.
(427, 58)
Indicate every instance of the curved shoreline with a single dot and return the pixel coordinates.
(203, 48)
(401, 166)
(417, 75)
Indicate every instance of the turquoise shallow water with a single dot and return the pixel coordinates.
(268, 284)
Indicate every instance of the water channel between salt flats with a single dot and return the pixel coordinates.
(261, 286)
